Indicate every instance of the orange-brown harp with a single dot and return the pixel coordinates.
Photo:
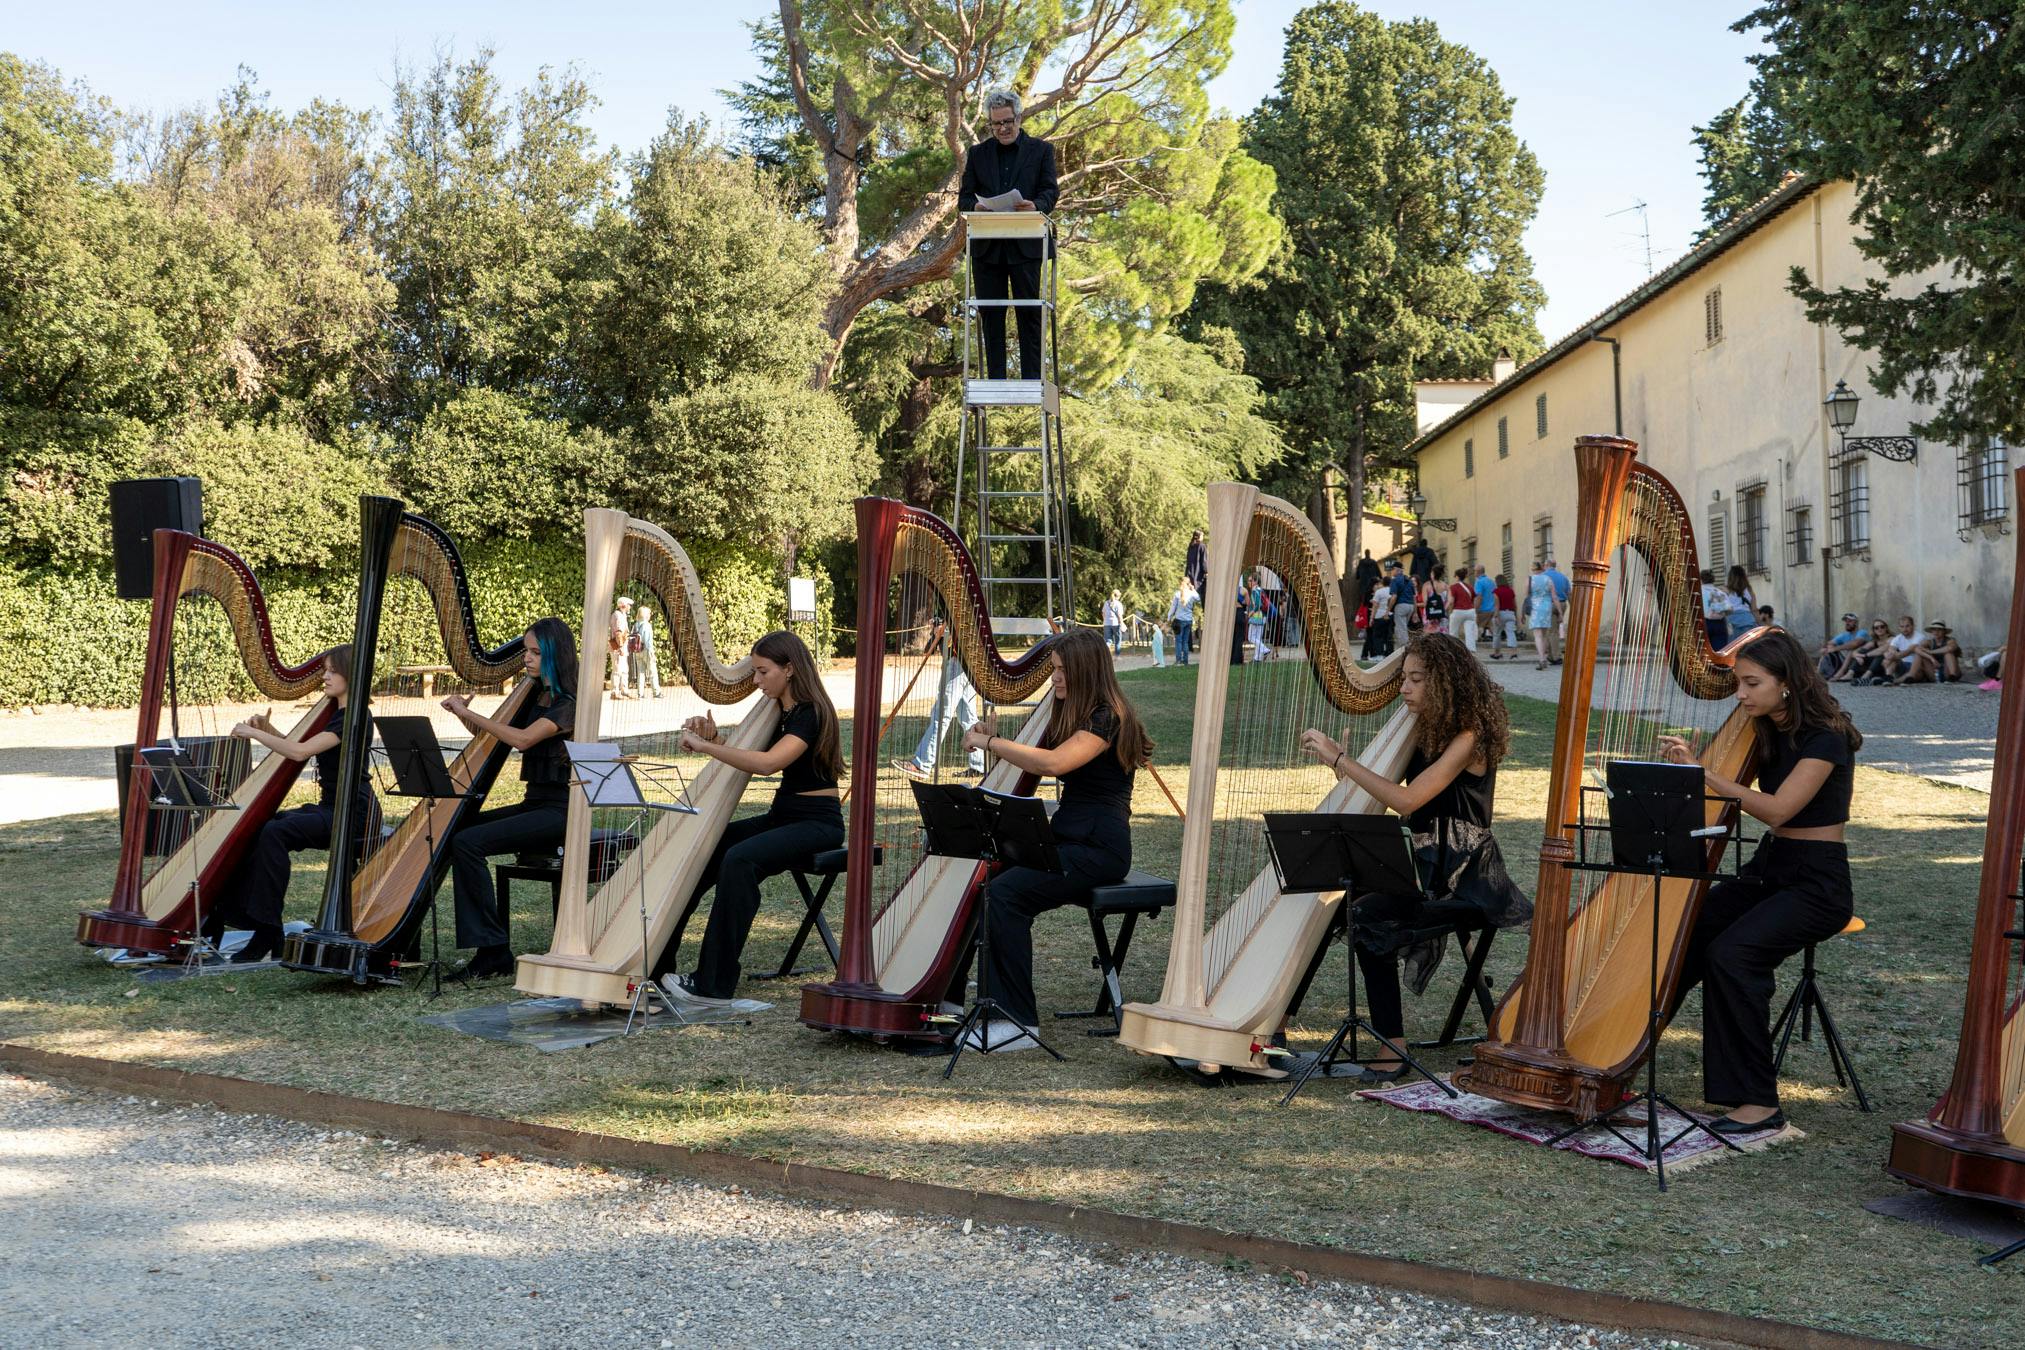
(1574, 1026)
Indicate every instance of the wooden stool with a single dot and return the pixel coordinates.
(1140, 894)
(1803, 1004)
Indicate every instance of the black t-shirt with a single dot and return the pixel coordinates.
(545, 765)
(1102, 786)
(327, 760)
(1830, 804)
(806, 773)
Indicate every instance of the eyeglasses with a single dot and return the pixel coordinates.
(1003, 122)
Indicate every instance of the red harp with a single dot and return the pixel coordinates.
(923, 627)
(1973, 1142)
(629, 875)
(386, 860)
(1574, 1027)
(169, 860)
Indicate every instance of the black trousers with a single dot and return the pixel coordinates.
(522, 828)
(1094, 852)
(749, 851)
(1378, 971)
(1018, 281)
(1793, 892)
(260, 883)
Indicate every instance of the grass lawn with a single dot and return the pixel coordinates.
(1780, 1234)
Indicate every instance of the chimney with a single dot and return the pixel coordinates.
(1502, 368)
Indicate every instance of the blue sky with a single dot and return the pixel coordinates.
(1607, 92)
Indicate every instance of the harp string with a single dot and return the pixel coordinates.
(2013, 1042)
(915, 673)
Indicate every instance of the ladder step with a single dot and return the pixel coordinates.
(1020, 581)
(1011, 449)
(1014, 538)
(1033, 492)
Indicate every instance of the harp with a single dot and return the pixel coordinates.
(156, 909)
(596, 951)
(1242, 948)
(1573, 1028)
(383, 874)
(1972, 1143)
(902, 943)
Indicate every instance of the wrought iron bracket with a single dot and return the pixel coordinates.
(1898, 449)
(1437, 523)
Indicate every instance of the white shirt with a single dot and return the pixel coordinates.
(1114, 612)
(1903, 643)
(1715, 602)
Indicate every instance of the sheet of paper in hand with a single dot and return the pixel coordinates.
(1005, 201)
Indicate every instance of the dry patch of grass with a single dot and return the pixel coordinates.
(1780, 1234)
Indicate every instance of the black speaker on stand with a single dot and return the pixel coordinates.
(140, 506)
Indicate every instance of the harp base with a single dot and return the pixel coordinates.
(324, 953)
(549, 976)
(1525, 1077)
(1947, 1162)
(1170, 1033)
(117, 928)
(868, 1010)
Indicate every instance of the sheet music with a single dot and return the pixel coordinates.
(1004, 201)
(605, 780)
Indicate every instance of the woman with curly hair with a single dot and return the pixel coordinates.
(1795, 891)
(1451, 780)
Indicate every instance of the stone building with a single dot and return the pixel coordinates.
(1713, 368)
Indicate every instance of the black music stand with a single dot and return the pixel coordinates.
(415, 756)
(967, 822)
(1656, 813)
(1354, 853)
(175, 785)
(610, 780)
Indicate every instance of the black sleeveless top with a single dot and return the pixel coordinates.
(1467, 798)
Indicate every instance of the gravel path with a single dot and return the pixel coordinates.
(139, 1224)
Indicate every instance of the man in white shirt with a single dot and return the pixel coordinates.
(1898, 663)
(621, 628)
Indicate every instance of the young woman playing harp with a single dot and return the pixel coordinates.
(806, 817)
(251, 894)
(1461, 733)
(1094, 745)
(1795, 890)
(549, 655)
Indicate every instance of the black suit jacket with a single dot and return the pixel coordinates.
(1034, 176)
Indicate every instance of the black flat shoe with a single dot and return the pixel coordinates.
(1392, 1075)
(263, 945)
(1727, 1126)
(483, 966)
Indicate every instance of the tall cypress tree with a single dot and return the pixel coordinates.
(1406, 193)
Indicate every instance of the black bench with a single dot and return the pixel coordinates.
(1139, 895)
(828, 865)
(609, 848)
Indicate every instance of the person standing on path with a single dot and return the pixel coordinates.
(1715, 610)
(1563, 589)
(1378, 622)
(955, 699)
(1462, 608)
(1743, 615)
(1196, 568)
(1541, 610)
(1423, 560)
(1011, 161)
(1181, 613)
(1367, 575)
(621, 628)
(1405, 606)
(1508, 617)
(1114, 621)
(1487, 610)
(1434, 602)
(640, 654)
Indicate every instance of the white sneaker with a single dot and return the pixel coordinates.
(999, 1037)
(682, 996)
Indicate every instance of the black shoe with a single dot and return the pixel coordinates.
(484, 965)
(1726, 1126)
(264, 943)
(1391, 1075)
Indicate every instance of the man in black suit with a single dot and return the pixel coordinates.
(1010, 160)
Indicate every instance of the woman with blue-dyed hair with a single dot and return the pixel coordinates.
(549, 654)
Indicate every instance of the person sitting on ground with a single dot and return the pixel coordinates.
(1899, 662)
(1992, 666)
(1938, 658)
(1864, 663)
(1451, 779)
(1832, 656)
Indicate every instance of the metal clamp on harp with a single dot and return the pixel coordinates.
(380, 881)
(1572, 1031)
(926, 651)
(1662, 823)
(626, 893)
(158, 912)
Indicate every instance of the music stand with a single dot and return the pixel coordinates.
(968, 822)
(415, 756)
(610, 780)
(175, 786)
(1354, 853)
(1656, 813)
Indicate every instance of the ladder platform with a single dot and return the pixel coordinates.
(1012, 394)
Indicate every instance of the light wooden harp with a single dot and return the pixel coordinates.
(1243, 949)
(596, 952)
(1574, 1027)
(904, 936)
(1973, 1142)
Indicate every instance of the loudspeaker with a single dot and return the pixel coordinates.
(140, 506)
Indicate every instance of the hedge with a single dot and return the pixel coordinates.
(65, 638)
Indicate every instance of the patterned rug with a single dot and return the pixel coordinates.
(1687, 1150)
